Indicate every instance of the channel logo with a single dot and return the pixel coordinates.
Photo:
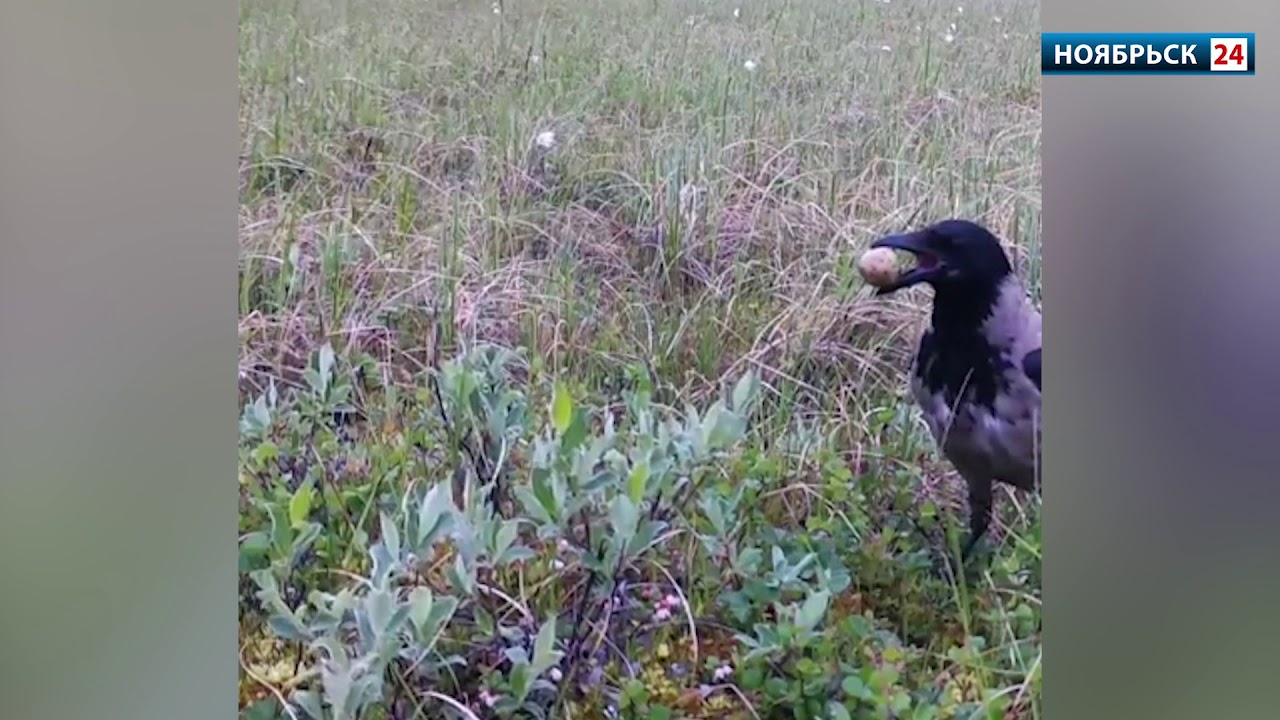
(1146, 53)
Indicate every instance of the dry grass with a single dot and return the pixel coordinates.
(691, 213)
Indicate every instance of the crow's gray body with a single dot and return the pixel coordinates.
(976, 374)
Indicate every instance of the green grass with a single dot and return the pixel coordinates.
(692, 223)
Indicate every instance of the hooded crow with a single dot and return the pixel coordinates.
(976, 373)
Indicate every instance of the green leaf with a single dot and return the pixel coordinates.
(255, 543)
(520, 681)
(266, 709)
(308, 533)
(637, 481)
(281, 533)
(753, 678)
(659, 712)
(544, 653)
(300, 504)
(810, 613)
(576, 435)
(855, 688)
(561, 409)
(624, 517)
(533, 505)
(836, 711)
(544, 490)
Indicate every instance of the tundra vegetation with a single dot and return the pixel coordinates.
(561, 394)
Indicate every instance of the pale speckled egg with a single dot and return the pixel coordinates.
(878, 266)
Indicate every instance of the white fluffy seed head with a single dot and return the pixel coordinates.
(878, 266)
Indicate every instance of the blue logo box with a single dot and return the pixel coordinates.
(1113, 53)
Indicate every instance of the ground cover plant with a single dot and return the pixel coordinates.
(561, 396)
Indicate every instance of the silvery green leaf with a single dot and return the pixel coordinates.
(517, 553)
(795, 571)
(390, 642)
(588, 459)
(325, 363)
(420, 603)
(437, 620)
(692, 418)
(810, 613)
(287, 626)
(309, 702)
(433, 515)
(721, 428)
(506, 535)
(461, 576)
(599, 481)
(390, 535)
(744, 392)
(465, 540)
(366, 634)
(366, 689)
(645, 534)
(380, 604)
(516, 655)
(334, 654)
(711, 508)
(261, 414)
(748, 561)
(268, 586)
(338, 685)
(384, 565)
(779, 559)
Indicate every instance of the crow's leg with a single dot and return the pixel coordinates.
(979, 514)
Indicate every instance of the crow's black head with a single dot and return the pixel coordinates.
(956, 257)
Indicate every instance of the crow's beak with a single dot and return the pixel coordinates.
(928, 264)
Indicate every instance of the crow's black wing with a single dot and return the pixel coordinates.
(1031, 366)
